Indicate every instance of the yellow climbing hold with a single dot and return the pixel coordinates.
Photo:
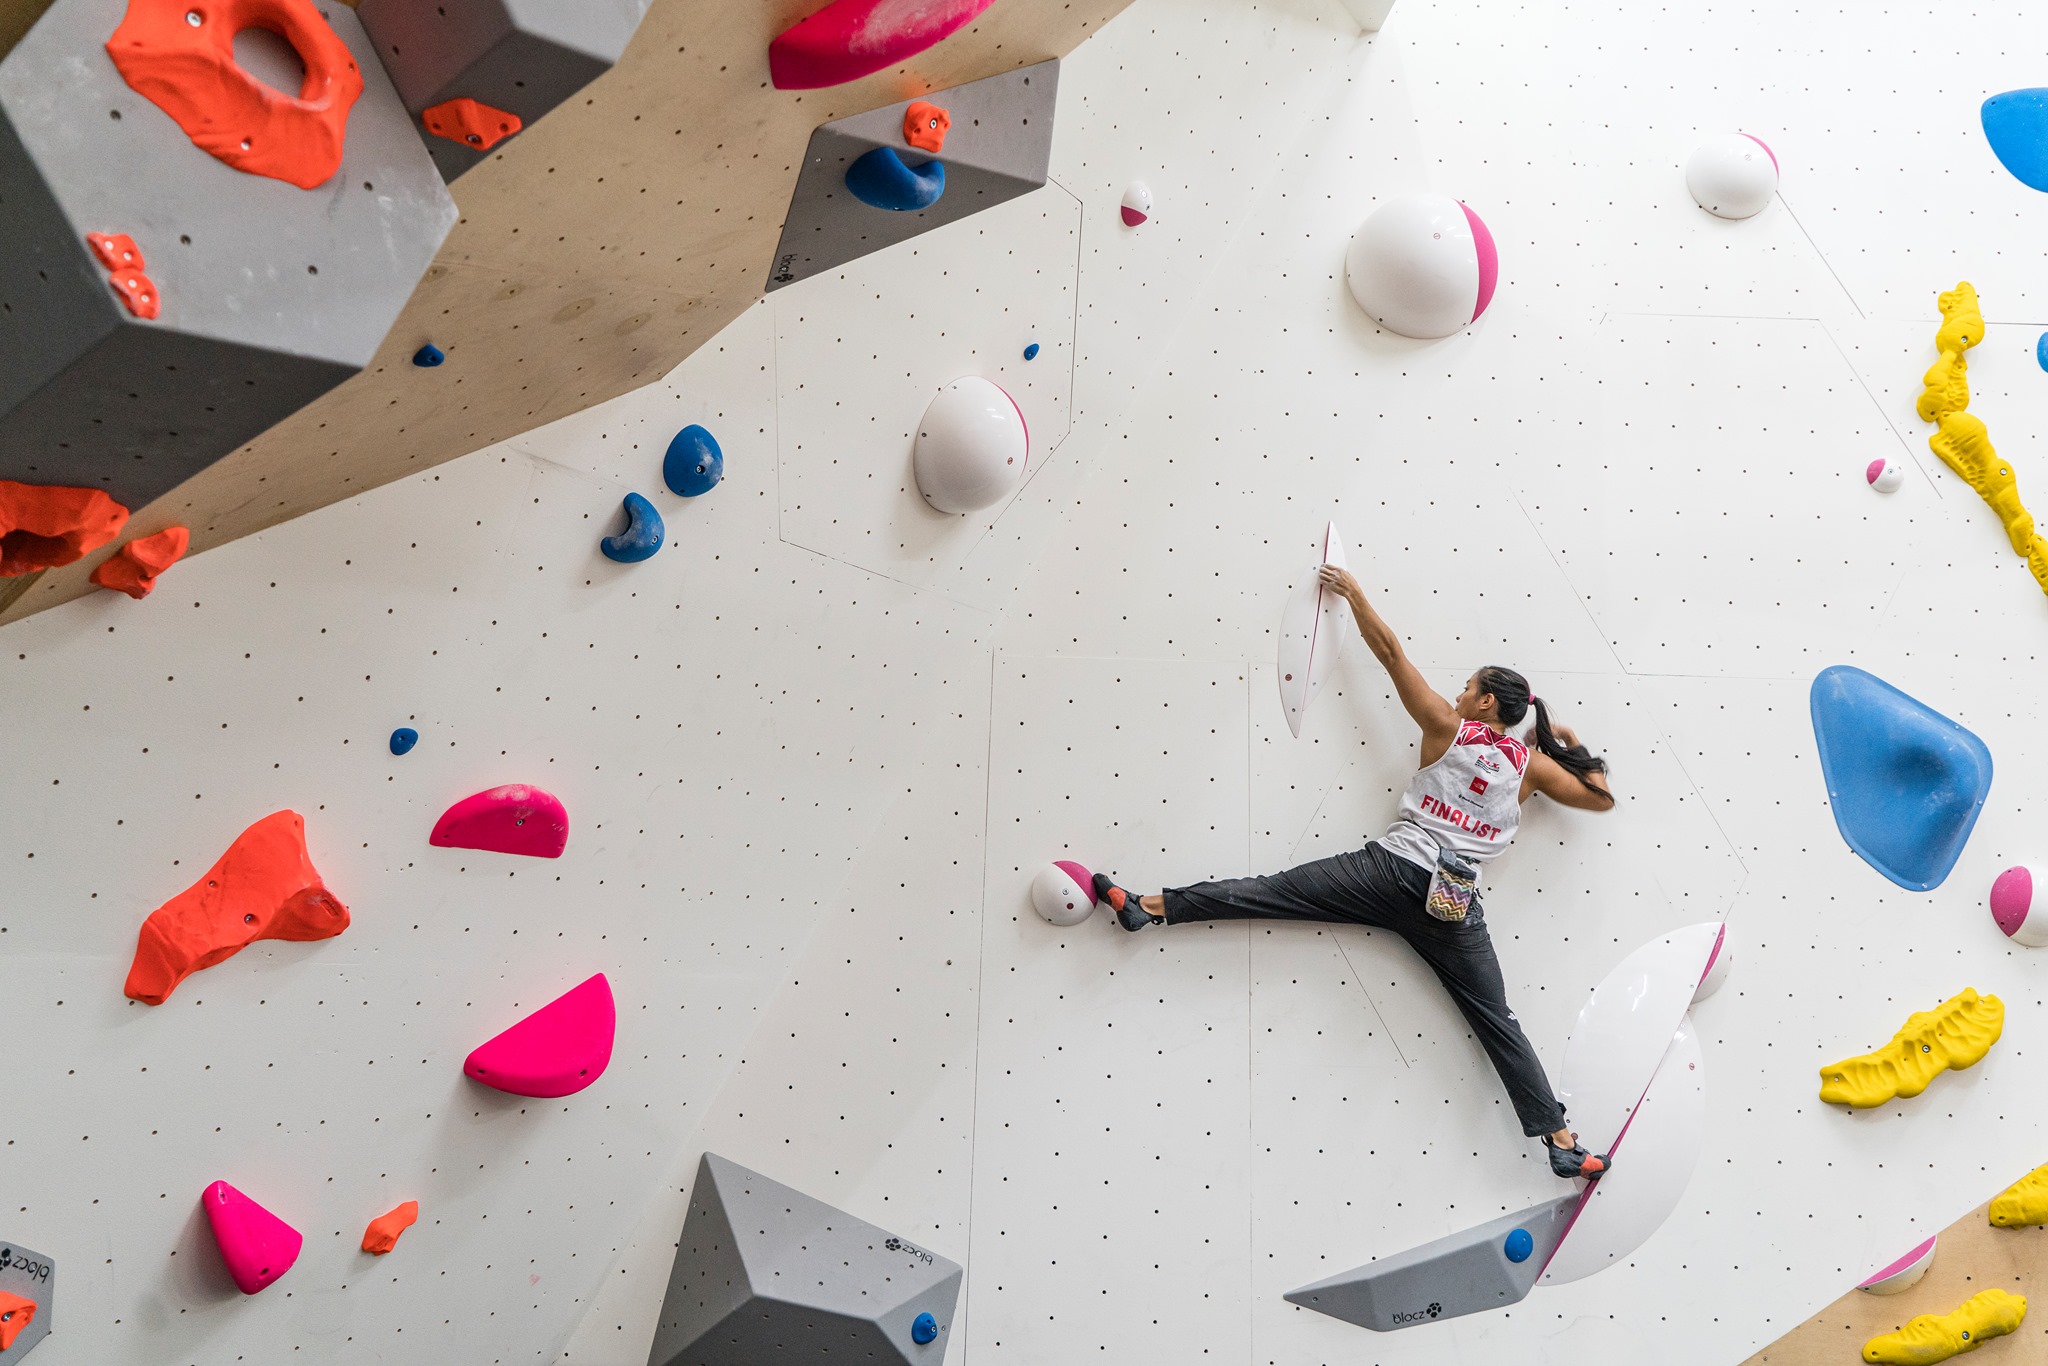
(1961, 440)
(1956, 1035)
(1945, 388)
(1929, 1338)
(2024, 1202)
(1962, 322)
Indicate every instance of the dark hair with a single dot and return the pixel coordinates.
(1511, 694)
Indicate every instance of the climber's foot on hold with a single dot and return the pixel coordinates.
(1128, 906)
(1575, 1160)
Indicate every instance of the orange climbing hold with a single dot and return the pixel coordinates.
(123, 259)
(925, 126)
(116, 250)
(468, 122)
(180, 55)
(16, 1314)
(133, 568)
(263, 887)
(45, 525)
(382, 1234)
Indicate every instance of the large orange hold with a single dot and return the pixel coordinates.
(45, 525)
(263, 887)
(180, 55)
(133, 568)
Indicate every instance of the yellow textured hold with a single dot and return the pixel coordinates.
(1930, 1338)
(1956, 1035)
(1945, 388)
(1965, 447)
(2024, 1202)
(1962, 323)
(2037, 562)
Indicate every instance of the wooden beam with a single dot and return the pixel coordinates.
(596, 250)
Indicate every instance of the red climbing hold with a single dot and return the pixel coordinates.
(263, 887)
(925, 126)
(180, 55)
(123, 260)
(16, 1314)
(513, 819)
(46, 525)
(849, 39)
(133, 568)
(382, 1234)
(116, 250)
(470, 123)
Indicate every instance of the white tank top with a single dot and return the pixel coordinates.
(1469, 801)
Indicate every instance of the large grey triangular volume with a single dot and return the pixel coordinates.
(1488, 1267)
(764, 1273)
(999, 147)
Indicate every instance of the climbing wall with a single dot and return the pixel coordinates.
(815, 749)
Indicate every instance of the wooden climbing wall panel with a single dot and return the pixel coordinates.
(595, 251)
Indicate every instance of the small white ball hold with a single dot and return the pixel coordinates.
(1137, 205)
(1884, 475)
(1063, 893)
(1732, 176)
(972, 446)
(2019, 908)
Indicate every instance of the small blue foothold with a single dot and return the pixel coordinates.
(642, 536)
(694, 464)
(403, 739)
(428, 355)
(1031, 351)
(2041, 350)
(881, 180)
(1519, 1245)
(923, 1329)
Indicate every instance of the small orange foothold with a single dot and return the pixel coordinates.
(382, 1234)
(137, 291)
(925, 126)
(116, 250)
(133, 568)
(263, 887)
(43, 526)
(470, 123)
(16, 1314)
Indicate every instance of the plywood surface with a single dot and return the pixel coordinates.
(595, 251)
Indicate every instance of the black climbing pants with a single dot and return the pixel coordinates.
(1382, 890)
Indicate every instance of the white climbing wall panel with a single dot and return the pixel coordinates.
(815, 749)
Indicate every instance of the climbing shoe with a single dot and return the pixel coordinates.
(1129, 913)
(1575, 1160)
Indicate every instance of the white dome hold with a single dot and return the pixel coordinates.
(1063, 893)
(1422, 265)
(972, 447)
(1732, 176)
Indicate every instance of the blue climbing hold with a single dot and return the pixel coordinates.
(881, 180)
(1519, 1245)
(1905, 782)
(2041, 351)
(923, 1329)
(642, 536)
(1031, 351)
(694, 464)
(403, 739)
(2016, 126)
(428, 355)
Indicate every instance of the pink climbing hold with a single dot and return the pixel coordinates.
(849, 39)
(257, 1246)
(514, 819)
(556, 1051)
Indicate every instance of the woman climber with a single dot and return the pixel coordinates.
(1421, 878)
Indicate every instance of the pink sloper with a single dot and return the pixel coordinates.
(1767, 151)
(556, 1051)
(2011, 895)
(1083, 879)
(1901, 1264)
(1489, 260)
(514, 819)
(257, 1246)
(849, 39)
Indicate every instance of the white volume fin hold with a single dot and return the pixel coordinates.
(1311, 633)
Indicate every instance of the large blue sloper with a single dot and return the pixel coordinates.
(1905, 782)
(1488, 1267)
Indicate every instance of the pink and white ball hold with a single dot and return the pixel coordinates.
(1422, 265)
(1137, 205)
(1063, 893)
(1884, 475)
(2019, 908)
(1732, 176)
(1903, 1274)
